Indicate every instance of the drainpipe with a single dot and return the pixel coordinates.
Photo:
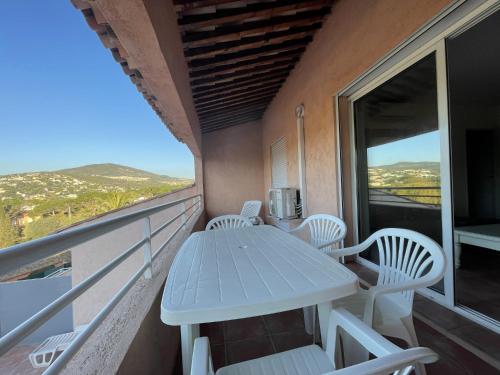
(299, 113)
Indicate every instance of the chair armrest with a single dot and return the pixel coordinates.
(337, 253)
(390, 362)
(359, 331)
(296, 229)
(378, 290)
(327, 244)
(201, 364)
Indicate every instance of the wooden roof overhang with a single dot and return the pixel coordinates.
(239, 53)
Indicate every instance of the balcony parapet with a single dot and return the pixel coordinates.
(110, 330)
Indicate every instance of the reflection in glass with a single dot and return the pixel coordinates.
(473, 61)
(398, 155)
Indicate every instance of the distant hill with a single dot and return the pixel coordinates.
(116, 172)
(431, 165)
(71, 183)
(405, 173)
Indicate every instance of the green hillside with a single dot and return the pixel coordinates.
(117, 174)
(37, 203)
(422, 179)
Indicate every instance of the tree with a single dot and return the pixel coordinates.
(8, 234)
(45, 226)
(115, 200)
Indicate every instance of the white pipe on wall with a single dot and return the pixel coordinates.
(299, 114)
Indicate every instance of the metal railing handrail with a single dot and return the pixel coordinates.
(19, 255)
(84, 234)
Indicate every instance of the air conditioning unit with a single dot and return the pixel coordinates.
(283, 203)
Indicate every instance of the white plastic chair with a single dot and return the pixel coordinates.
(251, 209)
(312, 360)
(45, 353)
(408, 261)
(228, 221)
(324, 232)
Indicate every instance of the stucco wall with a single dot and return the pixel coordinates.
(353, 38)
(232, 166)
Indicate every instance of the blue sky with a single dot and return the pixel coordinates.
(65, 102)
(424, 147)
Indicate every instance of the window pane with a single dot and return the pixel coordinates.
(398, 155)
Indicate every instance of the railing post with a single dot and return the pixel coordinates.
(147, 248)
(183, 217)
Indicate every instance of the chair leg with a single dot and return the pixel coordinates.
(309, 318)
(413, 342)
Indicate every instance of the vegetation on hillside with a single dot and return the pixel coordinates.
(421, 180)
(33, 205)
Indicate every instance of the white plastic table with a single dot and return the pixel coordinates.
(229, 274)
(487, 236)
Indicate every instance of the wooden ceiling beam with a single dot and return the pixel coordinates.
(236, 99)
(239, 88)
(255, 11)
(252, 41)
(261, 41)
(249, 76)
(233, 121)
(228, 125)
(226, 106)
(242, 72)
(186, 5)
(276, 74)
(250, 54)
(237, 93)
(233, 112)
(232, 67)
(234, 32)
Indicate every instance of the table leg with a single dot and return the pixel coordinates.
(188, 334)
(324, 310)
(458, 253)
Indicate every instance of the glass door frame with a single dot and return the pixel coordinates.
(446, 209)
(478, 10)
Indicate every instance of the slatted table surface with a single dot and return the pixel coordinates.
(236, 273)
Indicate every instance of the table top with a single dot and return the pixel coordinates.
(488, 230)
(229, 274)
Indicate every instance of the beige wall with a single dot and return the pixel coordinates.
(353, 38)
(232, 165)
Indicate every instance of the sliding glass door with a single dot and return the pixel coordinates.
(425, 152)
(398, 155)
(473, 61)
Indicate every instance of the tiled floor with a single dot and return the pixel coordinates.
(471, 334)
(478, 280)
(239, 340)
(16, 362)
(245, 339)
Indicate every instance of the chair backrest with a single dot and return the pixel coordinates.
(407, 255)
(251, 208)
(325, 229)
(228, 221)
(390, 357)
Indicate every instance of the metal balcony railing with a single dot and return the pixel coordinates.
(429, 196)
(17, 256)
